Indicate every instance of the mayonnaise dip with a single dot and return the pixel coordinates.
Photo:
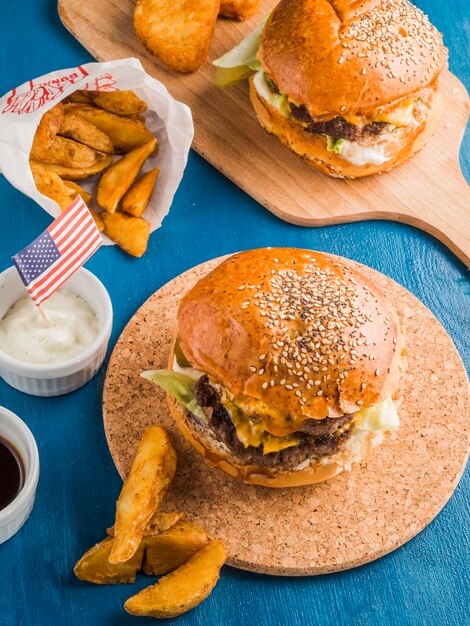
(68, 326)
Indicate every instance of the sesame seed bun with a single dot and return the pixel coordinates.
(291, 335)
(350, 58)
(226, 328)
(399, 146)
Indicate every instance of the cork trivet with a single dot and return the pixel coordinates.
(350, 520)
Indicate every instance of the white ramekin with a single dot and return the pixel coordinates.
(58, 378)
(17, 512)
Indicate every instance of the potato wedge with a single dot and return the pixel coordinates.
(159, 523)
(184, 588)
(239, 9)
(125, 133)
(94, 566)
(79, 129)
(98, 220)
(130, 233)
(120, 176)
(75, 190)
(136, 199)
(120, 102)
(76, 173)
(166, 551)
(151, 473)
(51, 185)
(49, 125)
(81, 97)
(65, 152)
(176, 31)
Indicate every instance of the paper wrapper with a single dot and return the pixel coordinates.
(169, 120)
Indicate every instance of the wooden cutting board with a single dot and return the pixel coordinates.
(428, 192)
(349, 520)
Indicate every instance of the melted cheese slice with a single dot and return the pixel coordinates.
(274, 421)
(399, 116)
(254, 434)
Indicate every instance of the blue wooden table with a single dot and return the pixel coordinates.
(424, 582)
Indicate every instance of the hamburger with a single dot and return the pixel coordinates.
(285, 367)
(351, 87)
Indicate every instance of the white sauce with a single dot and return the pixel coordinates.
(261, 86)
(71, 326)
(361, 155)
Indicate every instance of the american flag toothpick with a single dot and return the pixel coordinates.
(59, 252)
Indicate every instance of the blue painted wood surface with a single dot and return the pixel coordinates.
(423, 583)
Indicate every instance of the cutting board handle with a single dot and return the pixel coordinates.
(449, 222)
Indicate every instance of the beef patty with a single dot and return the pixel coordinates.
(338, 127)
(317, 438)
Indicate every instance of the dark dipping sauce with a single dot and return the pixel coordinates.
(11, 473)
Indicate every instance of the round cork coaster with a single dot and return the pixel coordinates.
(350, 520)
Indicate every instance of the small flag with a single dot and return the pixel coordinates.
(60, 251)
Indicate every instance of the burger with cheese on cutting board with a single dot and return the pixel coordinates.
(285, 368)
(351, 87)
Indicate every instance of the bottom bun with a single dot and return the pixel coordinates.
(405, 142)
(217, 455)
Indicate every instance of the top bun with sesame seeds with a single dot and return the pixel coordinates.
(289, 348)
(353, 76)
(300, 331)
(350, 57)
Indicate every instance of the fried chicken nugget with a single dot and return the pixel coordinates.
(239, 9)
(179, 32)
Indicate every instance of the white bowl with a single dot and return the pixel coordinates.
(58, 378)
(17, 512)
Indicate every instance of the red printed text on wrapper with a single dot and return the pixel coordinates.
(38, 95)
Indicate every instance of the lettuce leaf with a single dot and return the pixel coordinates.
(333, 145)
(281, 103)
(179, 355)
(239, 62)
(179, 386)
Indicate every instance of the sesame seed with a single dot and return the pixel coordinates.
(262, 357)
(377, 372)
(264, 385)
(252, 368)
